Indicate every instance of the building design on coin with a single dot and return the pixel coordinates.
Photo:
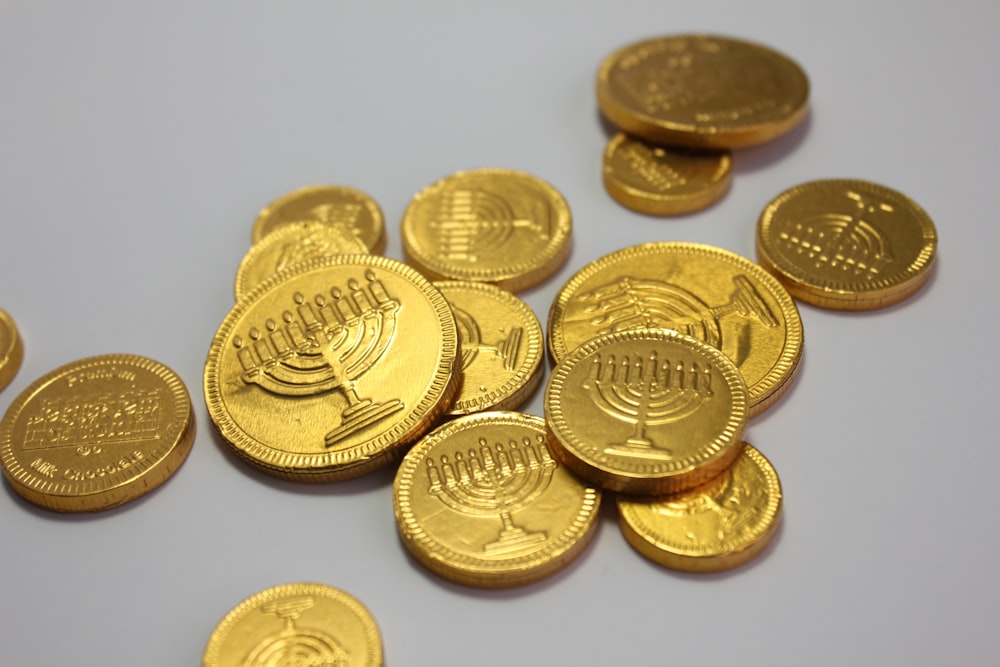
(325, 345)
(295, 644)
(495, 479)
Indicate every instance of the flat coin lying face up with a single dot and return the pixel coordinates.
(332, 369)
(481, 501)
(96, 433)
(296, 624)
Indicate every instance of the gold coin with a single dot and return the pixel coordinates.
(712, 294)
(333, 368)
(96, 433)
(481, 502)
(722, 524)
(289, 245)
(11, 349)
(335, 205)
(847, 244)
(646, 411)
(501, 344)
(488, 225)
(702, 91)
(661, 180)
(296, 624)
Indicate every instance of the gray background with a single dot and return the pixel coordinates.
(139, 140)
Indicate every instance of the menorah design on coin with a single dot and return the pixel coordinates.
(842, 242)
(497, 479)
(326, 344)
(471, 221)
(646, 391)
(505, 349)
(293, 645)
(631, 303)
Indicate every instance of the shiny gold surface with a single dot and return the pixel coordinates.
(710, 293)
(719, 525)
(702, 91)
(646, 411)
(488, 225)
(662, 180)
(11, 349)
(332, 369)
(480, 501)
(289, 245)
(335, 205)
(502, 346)
(847, 244)
(296, 624)
(96, 433)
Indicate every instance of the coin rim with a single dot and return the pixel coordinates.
(11, 357)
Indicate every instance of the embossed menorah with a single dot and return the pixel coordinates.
(646, 391)
(471, 220)
(325, 344)
(505, 349)
(495, 479)
(630, 303)
(294, 645)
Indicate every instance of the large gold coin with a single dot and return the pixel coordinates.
(702, 91)
(336, 205)
(661, 180)
(11, 349)
(502, 347)
(847, 244)
(488, 225)
(719, 525)
(96, 433)
(296, 624)
(333, 368)
(289, 245)
(712, 294)
(646, 411)
(480, 501)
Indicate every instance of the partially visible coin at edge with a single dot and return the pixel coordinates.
(11, 349)
(96, 433)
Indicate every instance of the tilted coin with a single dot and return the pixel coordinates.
(646, 411)
(847, 244)
(11, 349)
(331, 369)
(502, 346)
(96, 433)
(289, 245)
(710, 293)
(480, 501)
(663, 180)
(296, 624)
(722, 524)
(335, 205)
(702, 91)
(488, 225)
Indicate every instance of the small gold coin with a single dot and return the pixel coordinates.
(289, 245)
(502, 346)
(331, 369)
(661, 180)
(481, 502)
(296, 624)
(702, 91)
(712, 294)
(11, 349)
(335, 205)
(646, 411)
(847, 244)
(96, 433)
(488, 225)
(722, 524)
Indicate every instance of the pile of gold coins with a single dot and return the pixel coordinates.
(336, 361)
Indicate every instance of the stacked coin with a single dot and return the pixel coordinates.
(674, 95)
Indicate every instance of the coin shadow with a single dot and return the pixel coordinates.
(366, 483)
